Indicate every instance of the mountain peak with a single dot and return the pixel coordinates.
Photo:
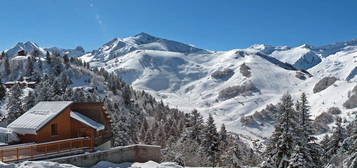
(143, 34)
(27, 44)
(308, 46)
(143, 38)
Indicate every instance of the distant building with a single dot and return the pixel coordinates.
(23, 82)
(59, 120)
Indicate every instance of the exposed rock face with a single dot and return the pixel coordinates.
(300, 75)
(352, 99)
(223, 75)
(321, 122)
(267, 115)
(233, 91)
(324, 83)
(245, 70)
(352, 74)
(307, 61)
(334, 110)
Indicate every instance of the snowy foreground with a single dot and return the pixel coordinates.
(102, 164)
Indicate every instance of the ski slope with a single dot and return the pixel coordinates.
(182, 77)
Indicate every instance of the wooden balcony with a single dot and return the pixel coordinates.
(34, 151)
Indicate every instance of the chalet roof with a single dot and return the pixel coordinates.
(38, 116)
(87, 121)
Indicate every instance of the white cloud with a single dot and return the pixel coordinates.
(97, 16)
(99, 20)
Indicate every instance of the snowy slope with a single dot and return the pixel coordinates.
(29, 47)
(301, 57)
(76, 52)
(180, 75)
(142, 41)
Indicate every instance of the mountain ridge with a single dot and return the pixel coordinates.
(182, 75)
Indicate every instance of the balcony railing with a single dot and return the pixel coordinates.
(45, 150)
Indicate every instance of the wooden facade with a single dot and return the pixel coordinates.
(64, 127)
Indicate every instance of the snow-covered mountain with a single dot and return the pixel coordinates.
(228, 84)
(29, 47)
(120, 47)
(187, 77)
(76, 52)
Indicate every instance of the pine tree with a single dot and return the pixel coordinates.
(79, 95)
(29, 101)
(236, 154)
(44, 90)
(306, 152)
(298, 158)
(323, 143)
(284, 137)
(120, 130)
(2, 91)
(48, 57)
(57, 89)
(223, 138)
(210, 141)
(7, 67)
(64, 81)
(148, 137)
(66, 61)
(336, 139)
(3, 55)
(68, 94)
(304, 120)
(29, 66)
(40, 65)
(142, 131)
(196, 126)
(351, 160)
(173, 132)
(14, 106)
(160, 137)
(186, 153)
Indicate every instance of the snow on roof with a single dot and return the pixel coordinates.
(87, 121)
(38, 116)
(11, 82)
(5, 130)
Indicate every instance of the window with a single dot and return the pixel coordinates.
(4, 138)
(54, 129)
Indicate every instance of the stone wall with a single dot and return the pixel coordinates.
(131, 153)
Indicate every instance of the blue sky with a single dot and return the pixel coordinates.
(209, 24)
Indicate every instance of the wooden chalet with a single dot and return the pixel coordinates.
(60, 120)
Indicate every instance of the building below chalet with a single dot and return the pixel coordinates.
(59, 120)
(23, 82)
